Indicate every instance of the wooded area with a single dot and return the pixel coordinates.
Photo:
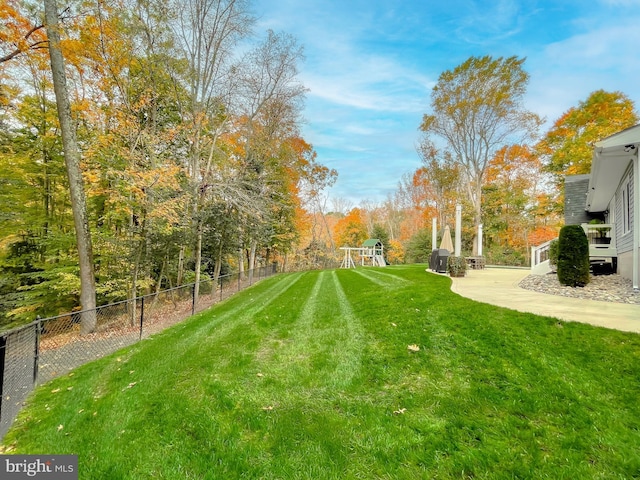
(188, 127)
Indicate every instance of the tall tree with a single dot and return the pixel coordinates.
(477, 108)
(72, 161)
(442, 179)
(513, 180)
(567, 147)
(269, 102)
(315, 179)
(207, 32)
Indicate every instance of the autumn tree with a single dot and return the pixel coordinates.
(567, 148)
(190, 144)
(129, 111)
(441, 177)
(38, 262)
(390, 215)
(409, 206)
(72, 161)
(513, 181)
(206, 32)
(269, 99)
(20, 31)
(477, 108)
(315, 179)
(350, 231)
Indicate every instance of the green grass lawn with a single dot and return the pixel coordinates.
(309, 375)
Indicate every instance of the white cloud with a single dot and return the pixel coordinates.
(566, 72)
(610, 46)
(371, 65)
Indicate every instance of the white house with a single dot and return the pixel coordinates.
(614, 190)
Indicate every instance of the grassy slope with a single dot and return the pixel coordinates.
(300, 376)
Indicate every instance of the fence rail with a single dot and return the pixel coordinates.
(47, 348)
(540, 254)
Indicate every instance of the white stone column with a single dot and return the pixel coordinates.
(458, 243)
(434, 234)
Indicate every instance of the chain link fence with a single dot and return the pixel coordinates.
(50, 347)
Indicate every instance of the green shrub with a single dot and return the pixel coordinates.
(418, 248)
(553, 252)
(457, 266)
(573, 256)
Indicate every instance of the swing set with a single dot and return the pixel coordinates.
(371, 253)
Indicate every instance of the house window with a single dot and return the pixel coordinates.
(626, 207)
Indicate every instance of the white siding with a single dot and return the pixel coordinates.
(624, 241)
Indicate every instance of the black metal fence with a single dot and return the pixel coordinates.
(47, 348)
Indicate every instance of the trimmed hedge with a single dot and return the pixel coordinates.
(573, 256)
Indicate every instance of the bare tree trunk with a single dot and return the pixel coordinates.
(72, 161)
(134, 287)
(477, 217)
(216, 272)
(241, 263)
(196, 290)
(253, 254)
(163, 268)
(180, 266)
(252, 258)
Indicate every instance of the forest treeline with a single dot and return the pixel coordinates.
(193, 163)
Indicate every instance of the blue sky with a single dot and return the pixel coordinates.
(371, 64)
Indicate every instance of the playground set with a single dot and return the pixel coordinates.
(371, 253)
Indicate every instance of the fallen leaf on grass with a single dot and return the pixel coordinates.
(259, 375)
(129, 386)
(413, 348)
(399, 412)
(268, 408)
(60, 427)
(393, 324)
(55, 390)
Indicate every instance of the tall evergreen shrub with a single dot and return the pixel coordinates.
(553, 253)
(573, 256)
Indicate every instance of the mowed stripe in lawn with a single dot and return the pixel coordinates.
(382, 279)
(322, 348)
(308, 375)
(191, 359)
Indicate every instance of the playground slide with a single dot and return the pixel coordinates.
(379, 261)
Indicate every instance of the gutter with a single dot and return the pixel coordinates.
(636, 219)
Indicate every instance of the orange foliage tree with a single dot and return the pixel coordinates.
(18, 32)
(513, 183)
(351, 231)
(567, 147)
(173, 152)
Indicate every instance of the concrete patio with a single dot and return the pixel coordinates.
(499, 286)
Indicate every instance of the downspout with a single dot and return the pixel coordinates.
(636, 219)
